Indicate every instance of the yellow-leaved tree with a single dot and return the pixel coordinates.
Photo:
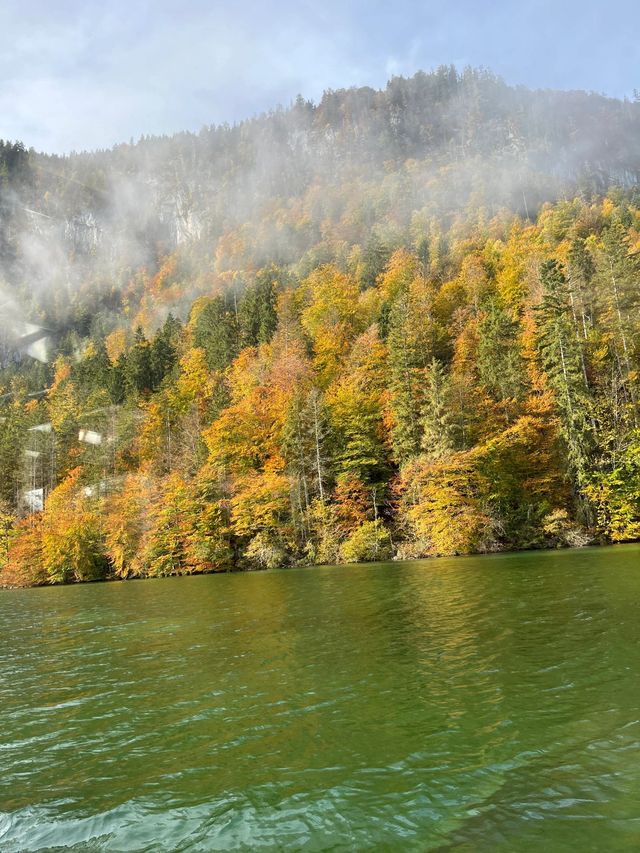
(72, 541)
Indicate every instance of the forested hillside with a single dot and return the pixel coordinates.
(402, 323)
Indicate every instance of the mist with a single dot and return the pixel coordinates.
(81, 232)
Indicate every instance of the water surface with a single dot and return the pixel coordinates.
(470, 704)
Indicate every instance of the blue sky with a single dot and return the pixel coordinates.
(89, 74)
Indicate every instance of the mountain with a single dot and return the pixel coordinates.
(400, 320)
(286, 186)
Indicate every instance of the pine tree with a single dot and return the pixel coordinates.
(164, 350)
(437, 438)
(500, 363)
(138, 369)
(215, 329)
(406, 381)
(560, 358)
(257, 317)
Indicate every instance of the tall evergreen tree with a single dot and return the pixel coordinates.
(437, 437)
(560, 358)
(500, 362)
(215, 329)
(138, 371)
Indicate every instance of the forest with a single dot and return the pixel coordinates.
(397, 324)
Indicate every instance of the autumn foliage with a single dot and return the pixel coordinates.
(443, 392)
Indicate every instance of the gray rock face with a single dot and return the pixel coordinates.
(82, 232)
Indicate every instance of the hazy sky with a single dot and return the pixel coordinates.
(86, 74)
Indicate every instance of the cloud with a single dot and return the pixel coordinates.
(86, 74)
(97, 79)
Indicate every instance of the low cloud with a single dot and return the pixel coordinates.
(77, 76)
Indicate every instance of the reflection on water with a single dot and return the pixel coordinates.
(477, 704)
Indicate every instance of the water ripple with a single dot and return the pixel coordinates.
(449, 705)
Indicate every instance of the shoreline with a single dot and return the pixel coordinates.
(240, 570)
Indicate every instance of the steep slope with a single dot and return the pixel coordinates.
(401, 322)
(362, 165)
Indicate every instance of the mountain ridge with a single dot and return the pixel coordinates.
(295, 341)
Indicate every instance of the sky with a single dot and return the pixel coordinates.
(81, 74)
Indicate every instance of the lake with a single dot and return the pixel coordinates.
(472, 704)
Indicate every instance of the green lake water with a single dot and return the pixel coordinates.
(472, 704)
